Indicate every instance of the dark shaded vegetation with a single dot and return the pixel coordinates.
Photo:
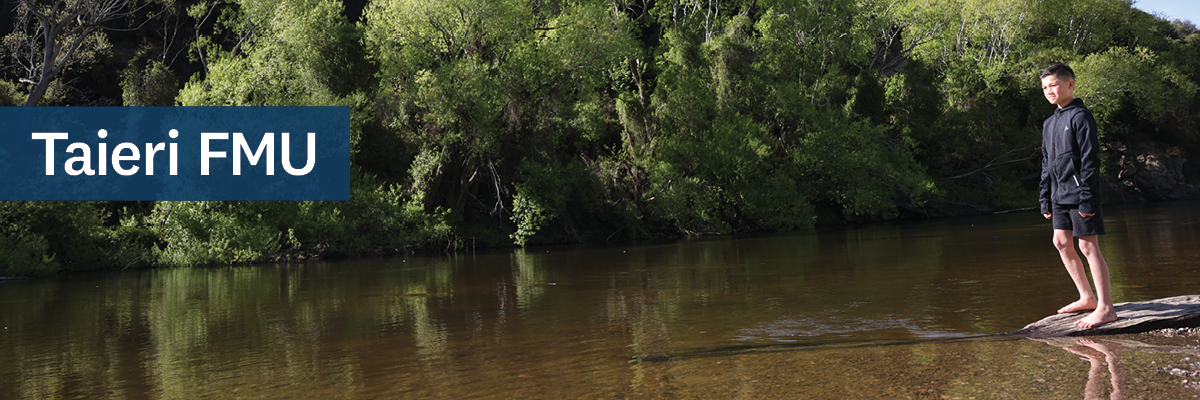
(501, 122)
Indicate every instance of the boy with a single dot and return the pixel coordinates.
(1070, 193)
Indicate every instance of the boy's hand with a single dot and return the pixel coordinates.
(1047, 215)
(1085, 215)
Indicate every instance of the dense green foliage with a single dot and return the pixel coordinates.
(493, 122)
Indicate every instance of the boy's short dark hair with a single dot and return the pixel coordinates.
(1062, 71)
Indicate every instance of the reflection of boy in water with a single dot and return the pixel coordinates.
(1070, 193)
(1095, 389)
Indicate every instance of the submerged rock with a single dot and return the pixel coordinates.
(1133, 317)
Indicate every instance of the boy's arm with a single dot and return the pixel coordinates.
(1088, 139)
(1044, 184)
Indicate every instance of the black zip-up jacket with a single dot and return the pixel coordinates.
(1071, 159)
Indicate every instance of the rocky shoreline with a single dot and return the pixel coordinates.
(1188, 368)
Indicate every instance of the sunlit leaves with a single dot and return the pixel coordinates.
(751, 120)
(1083, 26)
(1106, 80)
(292, 60)
(488, 86)
(711, 116)
(413, 34)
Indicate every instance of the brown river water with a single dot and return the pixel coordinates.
(892, 310)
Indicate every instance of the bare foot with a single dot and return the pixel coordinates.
(1097, 318)
(1098, 346)
(1086, 356)
(1077, 306)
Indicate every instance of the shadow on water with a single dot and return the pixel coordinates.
(790, 347)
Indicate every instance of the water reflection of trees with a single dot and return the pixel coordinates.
(514, 320)
(528, 278)
(419, 324)
(1149, 247)
(182, 333)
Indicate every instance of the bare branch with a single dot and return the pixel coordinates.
(63, 27)
(996, 161)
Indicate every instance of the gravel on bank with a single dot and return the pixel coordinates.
(1188, 368)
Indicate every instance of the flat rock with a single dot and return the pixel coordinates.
(1132, 317)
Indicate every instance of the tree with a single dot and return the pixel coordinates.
(493, 94)
(153, 86)
(52, 36)
(1137, 77)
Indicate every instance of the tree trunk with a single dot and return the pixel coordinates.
(39, 90)
(49, 70)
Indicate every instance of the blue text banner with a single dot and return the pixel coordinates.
(174, 153)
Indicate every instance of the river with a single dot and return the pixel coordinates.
(891, 310)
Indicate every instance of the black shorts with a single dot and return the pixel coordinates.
(1066, 217)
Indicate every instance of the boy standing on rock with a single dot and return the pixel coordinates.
(1070, 193)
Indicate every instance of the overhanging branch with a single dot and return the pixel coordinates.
(997, 162)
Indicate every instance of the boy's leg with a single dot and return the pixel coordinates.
(1104, 312)
(1070, 259)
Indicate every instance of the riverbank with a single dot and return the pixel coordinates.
(51, 237)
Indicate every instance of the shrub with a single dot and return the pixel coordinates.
(374, 221)
(40, 238)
